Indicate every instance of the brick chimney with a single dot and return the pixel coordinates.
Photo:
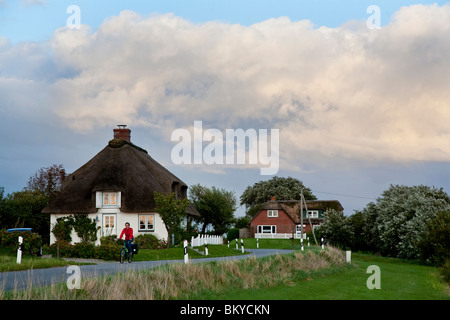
(122, 133)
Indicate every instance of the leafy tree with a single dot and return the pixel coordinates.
(281, 188)
(171, 210)
(47, 180)
(23, 209)
(216, 207)
(396, 223)
(435, 245)
(337, 229)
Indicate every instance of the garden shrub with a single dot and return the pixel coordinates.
(233, 234)
(108, 251)
(83, 250)
(32, 242)
(149, 241)
(65, 249)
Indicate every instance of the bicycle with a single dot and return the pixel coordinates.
(125, 255)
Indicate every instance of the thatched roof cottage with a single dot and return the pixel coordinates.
(117, 186)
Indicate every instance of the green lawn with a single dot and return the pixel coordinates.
(9, 263)
(400, 280)
(178, 253)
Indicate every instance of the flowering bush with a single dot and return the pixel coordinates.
(65, 249)
(32, 242)
(108, 251)
(83, 250)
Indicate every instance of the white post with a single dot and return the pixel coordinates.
(308, 241)
(301, 243)
(242, 245)
(19, 251)
(192, 242)
(348, 256)
(186, 257)
(237, 248)
(206, 247)
(228, 243)
(257, 243)
(321, 240)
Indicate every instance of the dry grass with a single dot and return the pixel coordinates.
(181, 281)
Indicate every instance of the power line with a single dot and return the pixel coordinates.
(344, 195)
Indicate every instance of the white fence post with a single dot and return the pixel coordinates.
(186, 257)
(206, 247)
(19, 251)
(242, 245)
(348, 256)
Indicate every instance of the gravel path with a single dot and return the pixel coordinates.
(41, 277)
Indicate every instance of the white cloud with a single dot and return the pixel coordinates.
(344, 93)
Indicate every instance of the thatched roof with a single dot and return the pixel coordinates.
(292, 207)
(120, 166)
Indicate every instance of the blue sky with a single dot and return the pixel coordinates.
(357, 109)
(36, 20)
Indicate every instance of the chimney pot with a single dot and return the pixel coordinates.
(122, 133)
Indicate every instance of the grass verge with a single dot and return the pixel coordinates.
(9, 263)
(193, 281)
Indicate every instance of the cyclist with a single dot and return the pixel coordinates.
(129, 238)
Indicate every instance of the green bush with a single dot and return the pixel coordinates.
(233, 234)
(65, 249)
(108, 251)
(32, 242)
(149, 241)
(83, 250)
(108, 239)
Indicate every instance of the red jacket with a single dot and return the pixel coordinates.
(128, 233)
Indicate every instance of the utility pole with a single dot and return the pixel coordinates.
(301, 214)
(302, 201)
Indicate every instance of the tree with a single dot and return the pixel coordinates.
(216, 207)
(47, 180)
(435, 245)
(281, 188)
(337, 229)
(23, 209)
(171, 210)
(396, 223)
(85, 228)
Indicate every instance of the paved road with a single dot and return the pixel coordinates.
(42, 277)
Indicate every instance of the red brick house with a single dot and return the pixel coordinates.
(280, 218)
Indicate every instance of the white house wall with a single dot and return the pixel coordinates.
(121, 218)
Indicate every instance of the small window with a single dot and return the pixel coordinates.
(313, 214)
(147, 222)
(272, 213)
(267, 229)
(110, 199)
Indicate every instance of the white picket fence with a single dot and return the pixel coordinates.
(278, 235)
(210, 239)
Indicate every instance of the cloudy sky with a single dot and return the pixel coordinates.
(359, 106)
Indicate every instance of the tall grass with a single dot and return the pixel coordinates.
(187, 281)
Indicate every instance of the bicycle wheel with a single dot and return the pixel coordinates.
(123, 253)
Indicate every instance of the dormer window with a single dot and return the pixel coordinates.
(108, 199)
(272, 213)
(312, 214)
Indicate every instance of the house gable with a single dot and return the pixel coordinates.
(282, 221)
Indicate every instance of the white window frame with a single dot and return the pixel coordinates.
(109, 230)
(312, 214)
(102, 199)
(298, 228)
(272, 213)
(267, 229)
(146, 228)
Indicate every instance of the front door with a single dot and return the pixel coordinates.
(109, 224)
